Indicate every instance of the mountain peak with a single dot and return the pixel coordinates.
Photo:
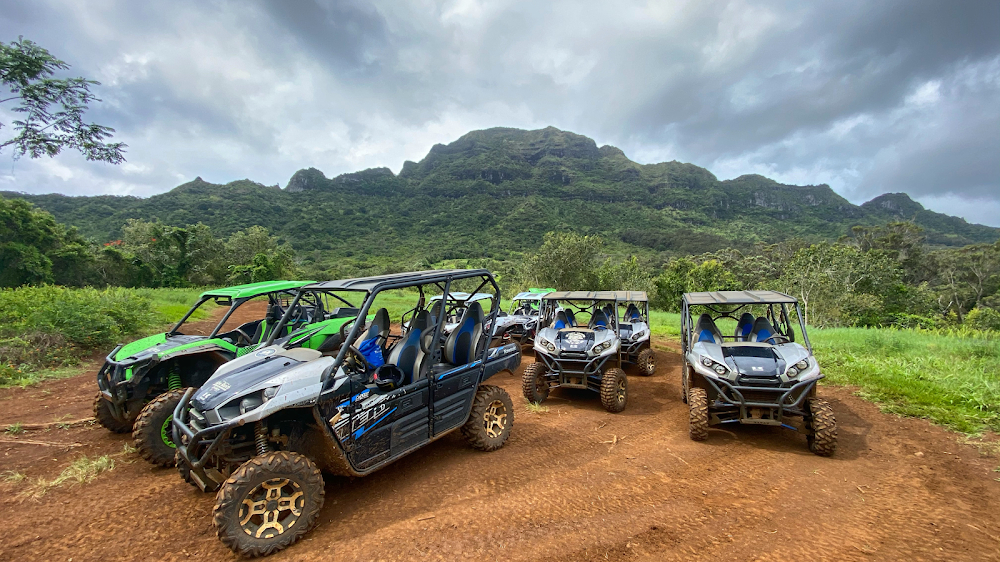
(899, 204)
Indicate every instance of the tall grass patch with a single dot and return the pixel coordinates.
(49, 325)
(950, 377)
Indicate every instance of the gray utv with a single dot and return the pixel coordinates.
(759, 375)
(259, 431)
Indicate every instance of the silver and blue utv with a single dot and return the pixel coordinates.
(259, 431)
(759, 375)
(520, 323)
(583, 340)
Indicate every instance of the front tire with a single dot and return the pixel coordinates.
(184, 469)
(268, 503)
(614, 390)
(103, 415)
(534, 384)
(153, 434)
(646, 361)
(697, 414)
(823, 439)
(491, 419)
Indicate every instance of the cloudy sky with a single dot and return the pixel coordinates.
(869, 97)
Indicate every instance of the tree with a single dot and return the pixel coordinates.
(51, 108)
(566, 261)
(179, 257)
(685, 276)
(254, 255)
(34, 248)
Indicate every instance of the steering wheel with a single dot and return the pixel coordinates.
(243, 335)
(774, 339)
(357, 358)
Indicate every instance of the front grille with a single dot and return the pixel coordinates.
(573, 355)
(757, 396)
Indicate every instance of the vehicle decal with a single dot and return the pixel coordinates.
(370, 414)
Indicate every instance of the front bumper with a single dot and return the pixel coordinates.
(574, 372)
(123, 384)
(757, 404)
(630, 350)
(195, 443)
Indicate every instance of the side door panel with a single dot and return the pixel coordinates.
(383, 425)
(453, 394)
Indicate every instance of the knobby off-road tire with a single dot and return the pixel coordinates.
(823, 440)
(697, 414)
(491, 419)
(102, 413)
(614, 390)
(646, 361)
(534, 385)
(153, 433)
(268, 503)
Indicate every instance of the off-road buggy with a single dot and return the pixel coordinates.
(588, 353)
(140, 383)
(452, 308)
(520, 323)
(261, 428)
(759, 375)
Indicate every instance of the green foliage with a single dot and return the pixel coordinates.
(951, 377)
(50, 109)
(257, 256)
(682, 275)
(50, 325)
(36, 249)
(983, 319)
(566, 260)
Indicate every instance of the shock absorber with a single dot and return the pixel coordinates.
(260, 438)
(173, 379)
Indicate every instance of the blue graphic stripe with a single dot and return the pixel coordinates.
(361, 431)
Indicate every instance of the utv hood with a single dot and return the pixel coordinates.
(575, 340)
(250, 373)
(145, 348)
(754, 362)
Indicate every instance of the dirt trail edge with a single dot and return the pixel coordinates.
(573, 483)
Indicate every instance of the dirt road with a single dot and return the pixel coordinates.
(573, 483)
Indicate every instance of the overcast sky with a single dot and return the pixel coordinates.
(869, 97)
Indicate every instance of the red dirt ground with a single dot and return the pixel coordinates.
(572, 483)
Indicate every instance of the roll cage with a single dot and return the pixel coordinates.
(730, 304)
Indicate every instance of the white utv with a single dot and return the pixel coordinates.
(520, 323)
(759, 375)
(263, 426)
(588, 352)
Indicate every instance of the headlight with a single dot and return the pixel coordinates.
(719, 368)
(546, 344)
(638, 334)
(797, 368)
(601, 347)
(269, 392)
(250, 402)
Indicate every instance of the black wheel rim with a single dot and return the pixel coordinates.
(271, 508)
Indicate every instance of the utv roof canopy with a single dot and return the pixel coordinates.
(254, 289)
(394, 280)
(533, 293)
(630, 296)
(738, 297)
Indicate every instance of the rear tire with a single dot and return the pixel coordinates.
(697, 414)
(614, 390)
(534, 385)
(153, 434)
(490, 420)
(268, 503)
(103, 415)
(823, 440)
(646, 361)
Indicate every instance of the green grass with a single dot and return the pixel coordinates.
(950, 378)
(170, 305)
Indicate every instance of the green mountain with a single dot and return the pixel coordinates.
(495, 192)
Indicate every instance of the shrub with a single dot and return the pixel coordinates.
(983, 319)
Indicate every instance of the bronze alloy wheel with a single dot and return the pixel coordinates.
(495, 418)
(271, 508)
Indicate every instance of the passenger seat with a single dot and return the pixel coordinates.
(706, 331)
(462, 345)
(408, 354)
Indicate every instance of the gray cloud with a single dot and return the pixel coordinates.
(892, 96)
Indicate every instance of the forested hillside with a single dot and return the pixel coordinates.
(495, 193)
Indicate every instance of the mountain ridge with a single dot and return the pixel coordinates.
(495, 192)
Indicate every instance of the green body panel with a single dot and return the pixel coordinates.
(131, 349)
(214, 341)
(254, 289)
(313, 335)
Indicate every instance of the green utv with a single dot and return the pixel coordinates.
(141, 382)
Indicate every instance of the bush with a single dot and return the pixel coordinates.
(51, 325)
(983, 319)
